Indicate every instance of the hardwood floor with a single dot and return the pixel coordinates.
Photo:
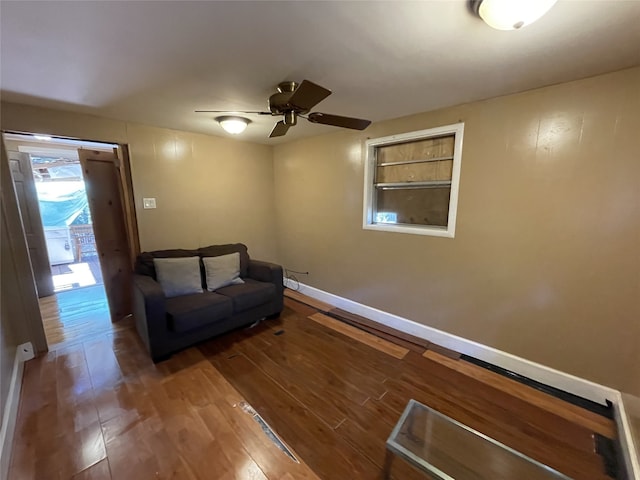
(102, 410)
(98, 408)
(75, 315)
(314, 384)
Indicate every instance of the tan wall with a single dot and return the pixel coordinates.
(208, 189)
(546, 259)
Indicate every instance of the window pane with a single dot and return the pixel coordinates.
(415, 172)
(417, 150)
(413, 206)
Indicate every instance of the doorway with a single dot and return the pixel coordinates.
(66, 218)
(73, 301)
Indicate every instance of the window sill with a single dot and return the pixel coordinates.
(411, 229)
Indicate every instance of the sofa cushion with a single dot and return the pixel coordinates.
(222, 271)
(178, 276)
(248, 295)
(217, 250)
(188, 312)
(144, 262)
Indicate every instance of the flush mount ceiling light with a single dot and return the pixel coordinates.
(233, 125)
(511, 14)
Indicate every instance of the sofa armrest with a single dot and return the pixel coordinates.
(272, 273)
(265, 272)
(149, 309)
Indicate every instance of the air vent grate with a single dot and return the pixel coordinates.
(267, 430)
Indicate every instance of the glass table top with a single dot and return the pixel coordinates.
(449, 450)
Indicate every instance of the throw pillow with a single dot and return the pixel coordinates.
(178, 276)
(222, 271)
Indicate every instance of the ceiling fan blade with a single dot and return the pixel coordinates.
(279, 129)
(338, 121)
(233, 111)
(308, 94)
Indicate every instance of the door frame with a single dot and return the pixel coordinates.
(126, 193)
(128, 202)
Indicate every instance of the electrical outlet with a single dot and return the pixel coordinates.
(26, 351)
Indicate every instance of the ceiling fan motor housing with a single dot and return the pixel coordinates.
(279, 105)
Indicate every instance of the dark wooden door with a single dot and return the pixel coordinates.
(104, 192)
(22, 175)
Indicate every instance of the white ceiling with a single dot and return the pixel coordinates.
(156, 62)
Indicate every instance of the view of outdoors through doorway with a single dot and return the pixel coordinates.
(79, 307)
(66, 219)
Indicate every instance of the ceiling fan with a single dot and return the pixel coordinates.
(294, 100)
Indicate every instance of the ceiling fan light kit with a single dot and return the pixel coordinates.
(292, 100)
(511, 14)
(232, 124)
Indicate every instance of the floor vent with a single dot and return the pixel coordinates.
(267, 430)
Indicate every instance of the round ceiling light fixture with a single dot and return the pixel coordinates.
(233, 125)
(511, 14)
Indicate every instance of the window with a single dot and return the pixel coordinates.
(411, 181)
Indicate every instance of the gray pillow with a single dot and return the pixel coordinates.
(178, 276)
(222, 271)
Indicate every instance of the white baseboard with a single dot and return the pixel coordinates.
(24, 352)
(541, 373)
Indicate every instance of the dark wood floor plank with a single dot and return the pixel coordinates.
(276, 363)
(373, 447)
(227, 414)
(360, 335)
(376, 416)
(334, 360)
(445, 352)
(299, 307)
(297, 425)
(371, 363)
(305, 363)
(404, 339)
(513, 410)
(572, 413)
(320, 355)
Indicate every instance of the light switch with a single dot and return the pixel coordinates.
(149, 202)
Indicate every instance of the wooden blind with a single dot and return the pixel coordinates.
(420, 161)
(413, 180)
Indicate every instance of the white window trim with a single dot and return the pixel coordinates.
(370, 191)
